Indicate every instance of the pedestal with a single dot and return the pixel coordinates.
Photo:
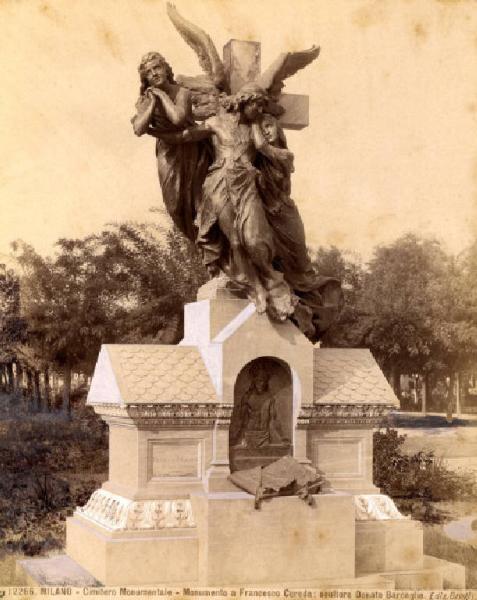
(285, 542)
(388, 545)
(168, 513)
(215, 540)
(134, 556)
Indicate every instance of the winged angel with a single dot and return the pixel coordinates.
(224, 170)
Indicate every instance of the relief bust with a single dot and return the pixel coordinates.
(257, 431)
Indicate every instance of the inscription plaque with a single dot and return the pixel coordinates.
(339, 457)
(174, 458)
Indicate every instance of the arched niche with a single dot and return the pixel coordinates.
(261, 429)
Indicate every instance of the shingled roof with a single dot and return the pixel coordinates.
(141, 374)
(349, 376)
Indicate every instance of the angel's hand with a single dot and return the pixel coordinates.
(142, 118)
(146, 102)
(157, 93)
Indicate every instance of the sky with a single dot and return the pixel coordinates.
(391, 145)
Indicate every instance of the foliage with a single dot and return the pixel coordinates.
(403, 283)
(62, 303)
(455, 311)
(147, 275)
(12, 326)
(419, 476)
(353, 324)
(125, 284)
(46, 470)
(413, 305)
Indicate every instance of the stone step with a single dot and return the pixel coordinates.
(61, 570)
(57, 571)
(436, 574)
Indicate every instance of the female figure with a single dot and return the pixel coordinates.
(320, 298)
(165, 107)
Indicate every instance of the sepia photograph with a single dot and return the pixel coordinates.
(238, 299)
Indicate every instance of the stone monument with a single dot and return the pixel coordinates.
(248, 384)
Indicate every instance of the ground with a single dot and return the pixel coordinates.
(456, 444)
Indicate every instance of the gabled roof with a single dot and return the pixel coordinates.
(349, 376)
(142, 374)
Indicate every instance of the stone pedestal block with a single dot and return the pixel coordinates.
(214, 540)
(134, 557)
(296, 113)
(422, 579)
(388, 545)
(57, 570)
(147, 462)
(286, 541)
(453, 574)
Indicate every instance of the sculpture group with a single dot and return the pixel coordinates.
(225, 175)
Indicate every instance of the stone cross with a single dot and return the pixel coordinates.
(242, 64)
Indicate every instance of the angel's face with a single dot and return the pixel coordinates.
(156, 73)
(253, 109)
(270, 129)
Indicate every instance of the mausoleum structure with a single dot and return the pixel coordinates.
(168, 512)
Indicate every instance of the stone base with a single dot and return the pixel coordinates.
(394, 549)
(285, 541)
(388, 545)
(430, 578)
(58, 570)
(219, 539)
(453, 574)
(142, 557)
(229, 543)
(61, 570)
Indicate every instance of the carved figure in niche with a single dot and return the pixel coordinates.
(255, 423)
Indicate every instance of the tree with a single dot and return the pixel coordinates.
(127, 284)
(455, 314)
(423, 309)
(61, 302)
(403, 284)
(353, 323)
(12, 326)
(148, 275)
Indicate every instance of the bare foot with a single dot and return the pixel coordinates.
(261, 301)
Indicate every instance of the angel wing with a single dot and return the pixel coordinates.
(202, 45)
(286, 65)
(204, 94)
